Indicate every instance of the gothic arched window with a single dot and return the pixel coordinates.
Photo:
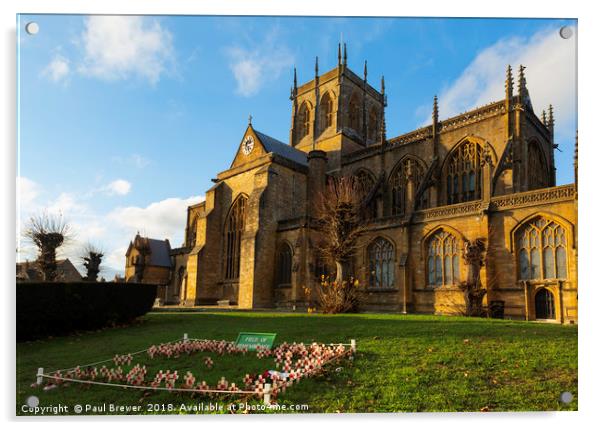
(408, 169)
(443, 261)
(464, 173)
(303, 120)
(541, 245)
(366, 184)
(326, 112)
(381, 259)
(235, 226)
(285, 265)
(355, 113)
(536, 167)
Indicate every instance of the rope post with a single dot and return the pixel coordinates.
(353, 345)
(40, 378)
(267, 393)
(185, 337)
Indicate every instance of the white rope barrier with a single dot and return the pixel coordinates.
(110, 359)
(266, 391)
(143, 387)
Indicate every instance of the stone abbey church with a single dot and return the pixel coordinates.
(486, 174)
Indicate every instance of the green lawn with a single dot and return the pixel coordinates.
(403, 363)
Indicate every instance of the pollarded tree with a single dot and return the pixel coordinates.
(92, 257)
(48, 233)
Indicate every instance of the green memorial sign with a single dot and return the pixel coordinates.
(252, 340)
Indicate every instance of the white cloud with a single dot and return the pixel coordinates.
(58, 69)
(118, 47)
(27, 192)
(119, 187)
(550, 72)
(161, 220)
(253, 67)
(110, 231)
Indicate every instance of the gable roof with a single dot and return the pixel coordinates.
(277, 147)
(30, 271)
(157, 250)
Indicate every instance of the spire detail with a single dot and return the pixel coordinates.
(316, 67)
(345, 54)
(522, 82)
(435, 110)
(339, 55)
(509, 83)
(365, 70)
(550, 123)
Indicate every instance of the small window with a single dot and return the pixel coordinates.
(285, 265)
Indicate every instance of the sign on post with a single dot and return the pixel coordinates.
(252, 340)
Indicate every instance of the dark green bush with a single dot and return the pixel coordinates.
(57, 308)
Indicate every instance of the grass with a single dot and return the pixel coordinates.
(404, 363)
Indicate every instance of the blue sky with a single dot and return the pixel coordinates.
(123, 121)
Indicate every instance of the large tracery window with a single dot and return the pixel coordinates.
(406, 171)
(541, 245)
(285, 266)
(303, 120)
(235, 226)
(443, 261)
(464, 173)
(536, 167)
(366, 184)
(381, 256)
(326, 112)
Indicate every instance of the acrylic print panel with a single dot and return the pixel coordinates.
(185, 179)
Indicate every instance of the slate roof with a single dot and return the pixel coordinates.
(281, 148)
(159, 252)
(30, 271)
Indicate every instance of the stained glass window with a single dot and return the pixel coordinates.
(382, 264)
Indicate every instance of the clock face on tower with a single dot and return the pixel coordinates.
(247, 145)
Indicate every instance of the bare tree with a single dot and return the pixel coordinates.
(340, 222)
(92, 257)
(48, 233)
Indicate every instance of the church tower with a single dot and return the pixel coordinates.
(337, 112)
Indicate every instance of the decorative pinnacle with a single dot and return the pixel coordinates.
(509, 82)
(435, 109)
(550, 117)
(250, 119)
(316, 66)
(365, 70)
(522, 82)
(345, 54)
(544, 119)
(339, 56)
(295, 77)
(382, 84)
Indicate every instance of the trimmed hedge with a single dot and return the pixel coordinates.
(57, 308)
